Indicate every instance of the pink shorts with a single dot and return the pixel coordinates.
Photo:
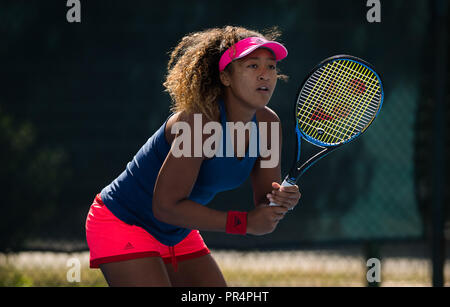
(111, 240)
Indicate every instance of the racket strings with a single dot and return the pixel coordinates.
(367, 76)
(330, 110)
(371, 108)
(340, 103)
(339, 109)
(339, 114)
(307, 89)
(368, 99)
(347, 95)
(351, 95)
(319, 97)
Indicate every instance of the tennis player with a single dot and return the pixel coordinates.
(143, 228)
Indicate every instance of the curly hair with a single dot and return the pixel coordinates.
(192, 79)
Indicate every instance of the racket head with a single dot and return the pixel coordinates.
(337, 101)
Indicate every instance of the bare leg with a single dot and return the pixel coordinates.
(142, 272)
(198, 272)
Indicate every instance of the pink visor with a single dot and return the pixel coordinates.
(247, 46)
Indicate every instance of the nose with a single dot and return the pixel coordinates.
(264, 75)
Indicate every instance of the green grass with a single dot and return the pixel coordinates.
(239, 268)
(36, 277)
(290, 278)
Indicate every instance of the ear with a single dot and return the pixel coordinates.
(225, 78)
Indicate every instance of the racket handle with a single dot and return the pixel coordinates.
(283, 184)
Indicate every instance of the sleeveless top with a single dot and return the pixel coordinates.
(129, 196)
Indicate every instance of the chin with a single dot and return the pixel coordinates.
(264, 102)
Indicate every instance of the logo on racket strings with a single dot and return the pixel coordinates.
(357, 87)
(340, 108)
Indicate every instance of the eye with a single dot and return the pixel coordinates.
(272, 67)
(252, 66)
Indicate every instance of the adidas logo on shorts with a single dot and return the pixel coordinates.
(128, 246)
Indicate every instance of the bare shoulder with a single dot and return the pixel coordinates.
(266, 114)
(189, 118)
(168, 129)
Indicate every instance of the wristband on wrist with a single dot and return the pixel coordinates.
(236, 223)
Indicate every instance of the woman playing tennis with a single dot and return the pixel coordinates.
(143, 228)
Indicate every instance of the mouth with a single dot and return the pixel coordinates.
(263, 89)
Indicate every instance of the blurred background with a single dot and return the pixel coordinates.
(79, 99)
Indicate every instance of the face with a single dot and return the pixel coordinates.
(252, 79)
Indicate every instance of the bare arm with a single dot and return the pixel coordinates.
(173, 186)
(266, 180)
(262, 177)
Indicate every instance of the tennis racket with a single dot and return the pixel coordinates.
(335, 104)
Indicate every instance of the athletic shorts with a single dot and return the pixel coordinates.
(112, 240)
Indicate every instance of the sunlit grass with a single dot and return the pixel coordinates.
(249, 269)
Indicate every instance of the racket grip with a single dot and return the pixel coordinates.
(283, 184)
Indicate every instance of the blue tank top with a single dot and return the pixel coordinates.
(129, 196)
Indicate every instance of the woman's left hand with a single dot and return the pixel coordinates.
(284, 196)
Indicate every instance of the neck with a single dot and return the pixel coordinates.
(237, 111)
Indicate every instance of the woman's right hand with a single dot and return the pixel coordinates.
(264, 219)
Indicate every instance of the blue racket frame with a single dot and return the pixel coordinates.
(298, 170)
